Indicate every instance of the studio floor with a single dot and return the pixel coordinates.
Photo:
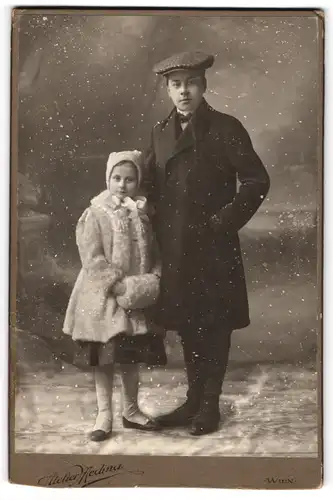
(270, 410)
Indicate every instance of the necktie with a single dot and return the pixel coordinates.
(184, 118)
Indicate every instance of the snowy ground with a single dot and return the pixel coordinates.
(270, 410)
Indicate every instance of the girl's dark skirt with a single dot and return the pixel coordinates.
(145, 349)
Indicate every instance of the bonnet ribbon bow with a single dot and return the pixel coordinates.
(137, 206)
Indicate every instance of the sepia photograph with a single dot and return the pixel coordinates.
(167, 225)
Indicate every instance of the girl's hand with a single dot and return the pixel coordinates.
(119, 288)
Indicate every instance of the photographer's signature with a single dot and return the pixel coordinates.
(83, 476)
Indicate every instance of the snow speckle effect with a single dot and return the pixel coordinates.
(86, 88)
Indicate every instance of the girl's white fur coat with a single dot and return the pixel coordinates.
(115, 244)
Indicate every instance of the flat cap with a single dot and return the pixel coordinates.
(184, 60)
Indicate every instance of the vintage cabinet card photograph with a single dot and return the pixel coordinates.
(166, 248)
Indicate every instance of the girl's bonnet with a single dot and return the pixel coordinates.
(114, 159)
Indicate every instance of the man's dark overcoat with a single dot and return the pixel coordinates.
(192, 176)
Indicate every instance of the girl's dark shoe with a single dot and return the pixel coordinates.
(100, 435)
(151, 425)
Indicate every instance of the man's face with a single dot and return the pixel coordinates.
(186, 89)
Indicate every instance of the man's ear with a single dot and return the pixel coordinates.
(166, 82)
(204, 83)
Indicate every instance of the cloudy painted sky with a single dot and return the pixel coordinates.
(86, 88)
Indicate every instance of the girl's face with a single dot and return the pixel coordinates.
(124, 180)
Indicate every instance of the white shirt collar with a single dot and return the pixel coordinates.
(184, 113)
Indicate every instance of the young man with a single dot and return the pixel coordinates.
(196, 155)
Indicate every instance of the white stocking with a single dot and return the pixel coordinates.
(129, 375)
(104, 387)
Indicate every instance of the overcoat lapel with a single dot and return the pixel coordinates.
(166, 141)
(201, 122)
(185, 141)
(167, 144)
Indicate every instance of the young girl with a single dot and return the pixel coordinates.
(119, 279)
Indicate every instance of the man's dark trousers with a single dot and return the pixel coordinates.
(206, 354)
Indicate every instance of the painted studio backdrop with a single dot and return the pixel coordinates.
(86, 88)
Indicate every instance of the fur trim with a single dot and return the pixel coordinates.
(141, 291)
(104, 237)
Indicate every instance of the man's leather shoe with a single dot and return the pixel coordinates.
(180, 417)
(207, 419)
(201, 428)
